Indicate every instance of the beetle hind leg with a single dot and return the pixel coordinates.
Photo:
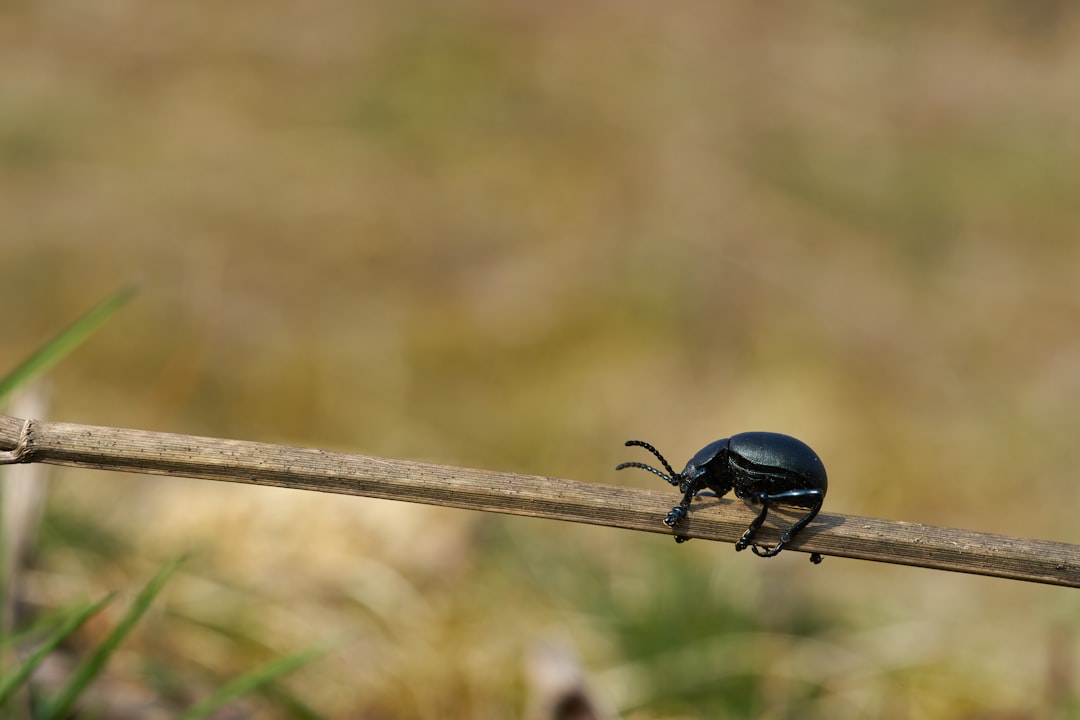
(792, 531)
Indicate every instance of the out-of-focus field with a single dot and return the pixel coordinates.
(512, 236)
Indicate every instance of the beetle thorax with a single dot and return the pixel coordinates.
(708, 470)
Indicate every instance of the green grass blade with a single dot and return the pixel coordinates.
(12, 682)
(251, 681)
(288, 704)
(64, 342)
(92, 666)
(41, 625)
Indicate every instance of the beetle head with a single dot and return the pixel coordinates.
(708, 468)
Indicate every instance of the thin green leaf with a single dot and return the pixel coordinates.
(290, 706)
(41, 625)
(11, 683)
(64, 342)
(252, 680)
(92, 665)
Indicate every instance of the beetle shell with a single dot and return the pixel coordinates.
(769, 454)
(755, 464)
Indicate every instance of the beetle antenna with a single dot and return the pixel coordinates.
(654, 451)
(650, 468)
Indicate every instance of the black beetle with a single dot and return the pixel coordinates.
(763, 468)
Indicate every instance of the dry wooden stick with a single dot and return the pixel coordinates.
(23, 441)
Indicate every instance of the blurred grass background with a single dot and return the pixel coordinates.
(513, 236)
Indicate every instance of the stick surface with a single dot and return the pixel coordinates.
(724, 520)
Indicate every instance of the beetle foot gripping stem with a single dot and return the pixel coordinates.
(677, 513)
(772, 552)
(815, 558)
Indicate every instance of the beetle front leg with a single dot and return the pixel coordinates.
(680, 511)
(677, 513)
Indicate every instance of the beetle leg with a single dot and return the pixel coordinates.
(677, 513)
(771, 552)
(787, 498)
(744, 541)
(682, 509)
(794, 529)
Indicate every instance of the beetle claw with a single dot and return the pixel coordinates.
(771, 552)
(677, 513)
